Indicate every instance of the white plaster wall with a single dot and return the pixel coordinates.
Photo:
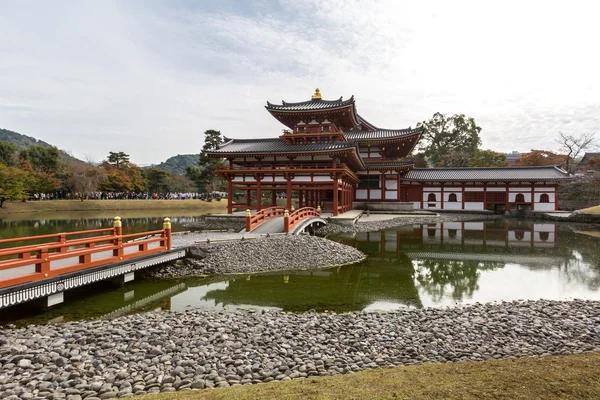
(322, 179)
(361, 194)
(455, 205)
(473, 206)
(519, 189)
(389, 184)
(416, 205)
(458, 196)
(544, 207)
(473, 189)
(301, 179)
(512, 197)
(375, 194)
(544, 189)
(432, 204)
(537, 196)
(496, 189)
(391, 195)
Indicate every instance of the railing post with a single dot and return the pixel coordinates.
(118, 242)
(319, 210)
(167, 228)
(248, 216)
(44, 264)
(286, 221)
(62, 238)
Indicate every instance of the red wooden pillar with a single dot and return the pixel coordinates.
(442, 195)
(532, 197)
(289, 193)
(229, 195)
(248, 197)
(463, 196)
(258, 194)
(555, 200)
(273, 197)
(485, 196)
(335, 195)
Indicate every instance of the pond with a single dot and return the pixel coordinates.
(411, 266)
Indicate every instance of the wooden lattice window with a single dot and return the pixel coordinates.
(431, 197)
(452, 198)
(474, 197)
(520, 198)
(544, 198)
(496, 197)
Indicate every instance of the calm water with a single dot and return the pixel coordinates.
(412, 266)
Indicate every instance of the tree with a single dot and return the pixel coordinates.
(83, 178)
(119, 160)
(205, 176)
(158, 180)
(537, 158)
(43, 159)
(450, 141)
(488, 158)
(12, 184)
(7, 153)
(572, 146)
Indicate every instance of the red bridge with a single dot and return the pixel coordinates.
(51, 264)
(280, 220)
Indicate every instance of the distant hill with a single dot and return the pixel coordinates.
(24, 142)
(177, 164)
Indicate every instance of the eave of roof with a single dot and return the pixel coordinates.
(381, 134)
(551, 173)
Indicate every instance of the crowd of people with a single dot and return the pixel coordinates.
(126, 196)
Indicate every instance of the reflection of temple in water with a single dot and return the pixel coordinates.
(408, 265)
(493, 241)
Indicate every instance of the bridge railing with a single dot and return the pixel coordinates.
(296, 217)
(252, 221)
(35, 262)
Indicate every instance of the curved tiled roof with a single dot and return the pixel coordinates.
(484, 174)
(314, 104)
(380, 134)
(276, 145)
(391, 164)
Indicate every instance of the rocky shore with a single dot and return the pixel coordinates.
(333, 228)
(259, 255)
(217, 224)
(169, 351)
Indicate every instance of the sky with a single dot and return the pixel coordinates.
(149, 77)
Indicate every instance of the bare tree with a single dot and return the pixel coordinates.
(572, 146)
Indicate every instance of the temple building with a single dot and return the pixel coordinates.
(330, 156)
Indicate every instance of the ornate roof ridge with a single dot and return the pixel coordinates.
(340, 102)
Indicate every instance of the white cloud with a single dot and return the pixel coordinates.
(149, 78)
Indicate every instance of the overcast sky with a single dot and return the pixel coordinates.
(149, 77)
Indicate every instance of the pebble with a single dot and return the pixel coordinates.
(119, 357)
(264, 254)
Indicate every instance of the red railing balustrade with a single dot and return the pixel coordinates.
(58, 255)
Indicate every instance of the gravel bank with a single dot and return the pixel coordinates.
(169, 351)
(222, 224)
(332, 228)
(260, 255)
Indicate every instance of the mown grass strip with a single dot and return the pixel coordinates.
(555, 377)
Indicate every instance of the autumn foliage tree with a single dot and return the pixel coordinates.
(488, 158)
(539, 158)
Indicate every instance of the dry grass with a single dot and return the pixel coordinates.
(556, 377)
(590, 211)
(113, 205)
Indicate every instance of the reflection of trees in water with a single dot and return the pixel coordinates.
(458, 278)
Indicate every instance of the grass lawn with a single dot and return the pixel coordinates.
(556, 377)
(116, 205)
